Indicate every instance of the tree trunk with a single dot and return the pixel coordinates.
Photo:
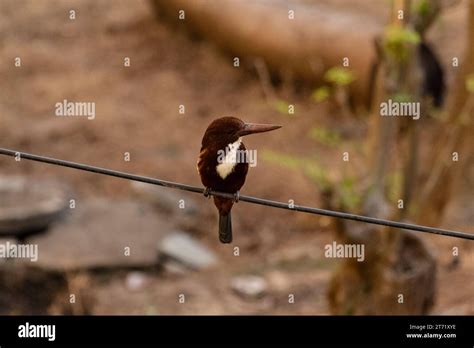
(317, 39)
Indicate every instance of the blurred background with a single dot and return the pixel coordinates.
(158, 72)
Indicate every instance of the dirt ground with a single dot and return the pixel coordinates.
(137, 112)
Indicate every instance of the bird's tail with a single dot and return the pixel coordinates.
(225, 228)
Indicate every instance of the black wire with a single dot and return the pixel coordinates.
(249, 199)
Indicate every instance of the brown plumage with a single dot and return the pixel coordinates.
(223, 139)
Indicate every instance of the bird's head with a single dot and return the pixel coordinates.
(226, 130)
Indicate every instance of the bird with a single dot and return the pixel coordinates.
(223, 164)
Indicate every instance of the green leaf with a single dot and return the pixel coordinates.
(325, 136)
(397, 41)
(422, 7)
(350, 198)
(316, 173)
(470, 83)
(321, 94)
(339, 76)
(282, 107)
(402, 97)
(396, 35)
(287, 161)
(308, 166)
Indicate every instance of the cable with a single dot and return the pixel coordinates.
(249, 199)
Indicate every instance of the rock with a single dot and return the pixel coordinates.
(249, 286)
(182, 248)
(166, 199)
(174, 267)
(102, 233)
(28, 206)
(136, 281)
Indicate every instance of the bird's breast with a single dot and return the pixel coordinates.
(223, 167)
(228, 158)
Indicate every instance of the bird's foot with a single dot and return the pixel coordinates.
(207, 192)
(236, 197)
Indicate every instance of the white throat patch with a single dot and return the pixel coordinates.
(225, 167)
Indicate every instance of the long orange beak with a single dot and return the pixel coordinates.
(251, 128)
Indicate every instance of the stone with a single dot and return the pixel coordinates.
(249, 286)
(174, 267)
(166, 199)
(102, 233)
(181, 247)
(29, 206)
(136, 281)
